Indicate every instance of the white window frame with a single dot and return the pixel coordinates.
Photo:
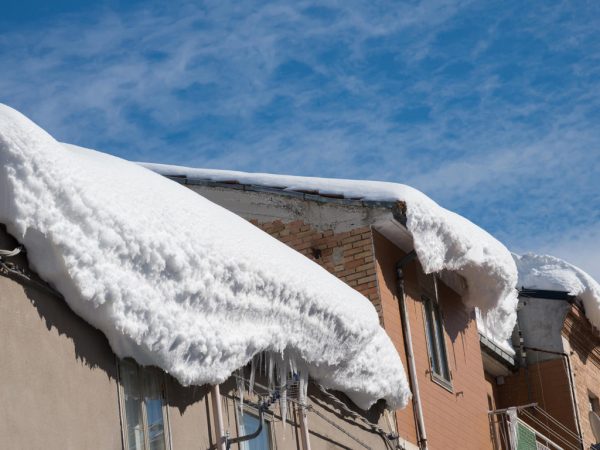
(122, 410)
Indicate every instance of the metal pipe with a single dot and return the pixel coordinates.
(517, 408)
(305, 438)
(523, 353)
(221, 440)
(410, 357)
(249, 436)
(571, 387)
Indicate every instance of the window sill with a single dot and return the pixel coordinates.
(446, 384)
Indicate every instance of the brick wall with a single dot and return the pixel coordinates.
(455, 418)
(547, 384)
(366, 260)
(494, 426)
(347, 255)
(584, 343)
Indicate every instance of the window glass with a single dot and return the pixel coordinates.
(249, 424)
(431, 340)
(133, 405)
(143, 407)
(444, 371)
(154, 411)
(436, 344)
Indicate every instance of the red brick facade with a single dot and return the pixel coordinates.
(363, 258)
(584, 343)
(347, 255)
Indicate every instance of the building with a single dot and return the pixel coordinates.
(63, 388)
(195, 301)
(366, 244)
(556, 382)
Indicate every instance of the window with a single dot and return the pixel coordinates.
(594, 403)
(436, 344)
(249, 424)
(594, 418)
(143, 407)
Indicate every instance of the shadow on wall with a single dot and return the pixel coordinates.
(181, 397)
(373, 415)
(91, 345)
(583, 338)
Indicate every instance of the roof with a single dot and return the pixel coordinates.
(442, 239)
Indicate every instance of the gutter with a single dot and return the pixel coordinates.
(422, 438)
(397, 207)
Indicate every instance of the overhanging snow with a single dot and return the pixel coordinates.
(176, 281)
(442, 239)
(553, 274)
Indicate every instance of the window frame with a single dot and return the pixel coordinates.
(594, 402)
(437, 351)
(161, 380)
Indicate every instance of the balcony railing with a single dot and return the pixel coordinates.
(530, 427)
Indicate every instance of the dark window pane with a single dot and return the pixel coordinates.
(431, 341)
(441, 344)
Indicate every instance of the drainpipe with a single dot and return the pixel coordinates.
(215, 393)
(571, 386)
(304, 428)
(523, 352)
(410, 357)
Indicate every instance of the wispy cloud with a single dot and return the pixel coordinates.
(489, 107)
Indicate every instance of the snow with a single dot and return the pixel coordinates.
(442, 239)
(547, 272)
(482, 327)
(176, 281)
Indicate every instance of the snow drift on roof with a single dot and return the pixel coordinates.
(442, 239)
(176, 281)
(549, 273)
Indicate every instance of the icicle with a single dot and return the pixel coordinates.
(303, 386)
(270, 371)
(252, 377)
(283, 391)
(240, 387)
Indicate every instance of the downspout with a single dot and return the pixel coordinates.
(523, 352)
(304, 428)
(410, 357)
(571, 386)
(221, 439)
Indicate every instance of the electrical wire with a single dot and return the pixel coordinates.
(12, 270)
(388, 438)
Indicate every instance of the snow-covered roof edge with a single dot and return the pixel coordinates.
(175, 281)
(442, 239)
(550, 273)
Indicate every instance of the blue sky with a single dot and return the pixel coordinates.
(492, 107)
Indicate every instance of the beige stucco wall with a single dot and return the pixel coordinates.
(57, 374)
(348, 433)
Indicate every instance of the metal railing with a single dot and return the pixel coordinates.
(529, 427)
